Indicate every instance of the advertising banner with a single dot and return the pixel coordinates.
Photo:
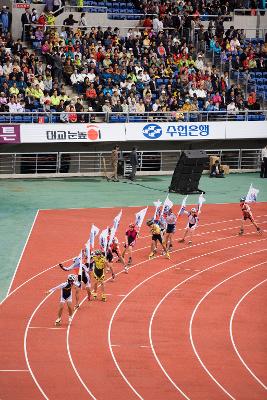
(155, 131)
(9, 134)
(246, 130)
(67, 133)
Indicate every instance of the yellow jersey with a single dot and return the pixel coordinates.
(100, 262)
(155, 229)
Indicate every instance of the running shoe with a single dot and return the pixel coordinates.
(58, 321)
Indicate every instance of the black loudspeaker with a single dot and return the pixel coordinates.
(188, 171)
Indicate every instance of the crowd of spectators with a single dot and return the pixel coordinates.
(149, 70)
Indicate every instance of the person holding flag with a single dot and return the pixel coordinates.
(113, 248)
(66, 296)
(156, 237)
(132, 233)
(191, 224)
(193, 218)
(83, 276)
(251, 197)
(99, 268)
(171, 226)
(104, 239)
(130, 239)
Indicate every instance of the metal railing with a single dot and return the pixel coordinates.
(249, 11)
(120, 117)
(160, 162)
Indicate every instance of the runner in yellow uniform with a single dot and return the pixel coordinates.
(156, 237)
(99, 268)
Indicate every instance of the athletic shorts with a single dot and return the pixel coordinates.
(190, 226)
(85, 279)
(157, 238)
(248, 217)
(66, 299)
(116, 252)
(109, 256)
(99, 274)
(170, 228)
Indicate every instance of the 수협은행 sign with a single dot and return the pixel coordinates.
(175, 131)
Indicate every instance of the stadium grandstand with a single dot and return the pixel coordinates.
(143, 62)
(128, 271)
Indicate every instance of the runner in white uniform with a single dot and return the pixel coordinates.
(85, 278)
(65, 297)
(171, 226)
(191, 225)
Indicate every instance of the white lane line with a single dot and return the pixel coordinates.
(194, 313)
(54, 266)
(25, 346)
(30, 279)
(70, 356)
(27, 328)
(147, 347)
(24, 247)
(232, 336)
(145, 281)
(116, 345)
(14, 370)
(46, 327)
(167, 294)
(122, 271)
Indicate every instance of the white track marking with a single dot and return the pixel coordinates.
(25, 346)
(145, 281)
(30, 279)
(24, 247)
(14, 370)
(27, 328)
(232, 336)
(194, 313)
(71, 360)
(167, 294)
(54, 266)
(121, 272)
(46, 327)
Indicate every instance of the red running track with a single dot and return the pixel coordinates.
(190, 327)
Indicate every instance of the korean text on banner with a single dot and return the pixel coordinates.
(175, 131)
(71, 133)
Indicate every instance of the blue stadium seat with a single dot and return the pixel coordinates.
(253, 118)
(27, 118)
(258, 75)
(113, 118)
(259, 81)
(240, 117)
(261, 118)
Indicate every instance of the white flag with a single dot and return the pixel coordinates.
(81, 263)
(139, 217)
(88, 252)
(94, 232)
(116, 220)
(157, 204)
(116, 223)
(103, 240)
(252, 195)
(183, 205)
(201, 200)
(167, 205)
